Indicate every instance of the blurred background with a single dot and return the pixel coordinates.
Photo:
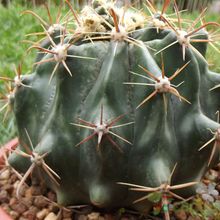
(183, 4)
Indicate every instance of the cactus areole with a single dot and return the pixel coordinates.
(103, 110)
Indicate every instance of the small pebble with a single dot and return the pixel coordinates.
(16, 183)
(30, 214)
(42, 214)
(66, 213)
(53, 208)
(35, 190)
(82, 217)
(5, 175)
(40, 202)
(93, 216)
(3, 182)
(181, 215)
(51, 216)
(27, 201)
(28, 193)
(5, 207)
(13, 178)
(9, 188)
(13, 201)
(23, 218)
(14, 214)
(19, 207)
(4, 196)
(212, 175)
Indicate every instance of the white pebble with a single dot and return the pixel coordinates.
(41, 214)
(51, 216)
(5, 175)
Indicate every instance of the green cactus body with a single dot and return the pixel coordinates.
(161, 136)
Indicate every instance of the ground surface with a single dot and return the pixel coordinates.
(37, 203)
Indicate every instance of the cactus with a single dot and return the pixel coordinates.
(114, 102)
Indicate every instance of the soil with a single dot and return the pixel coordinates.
(39, 203)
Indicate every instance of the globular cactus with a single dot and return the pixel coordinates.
(119, 100)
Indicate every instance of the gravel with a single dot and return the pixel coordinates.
(39, 203)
